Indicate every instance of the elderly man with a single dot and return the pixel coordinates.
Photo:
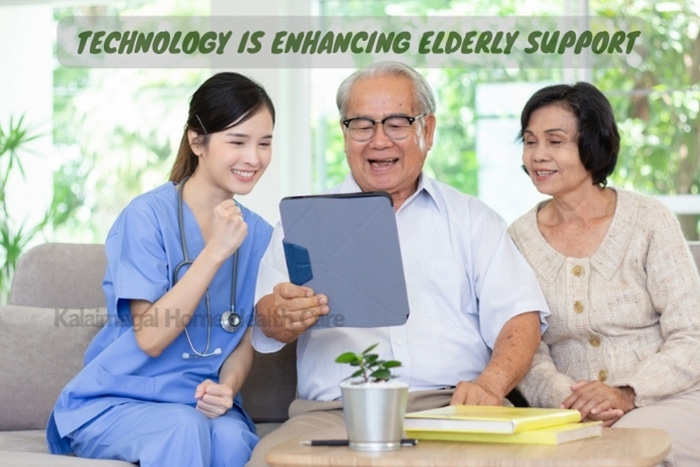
(477, 311)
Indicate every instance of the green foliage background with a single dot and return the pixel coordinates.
(655, 94)
(113, 145)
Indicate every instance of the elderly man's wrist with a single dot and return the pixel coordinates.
(491, 386)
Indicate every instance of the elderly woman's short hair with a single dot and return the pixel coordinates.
(598, 137)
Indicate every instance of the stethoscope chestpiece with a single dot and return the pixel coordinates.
(230, 321)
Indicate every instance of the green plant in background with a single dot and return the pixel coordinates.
(16, 237)
(13, 239)
(656, 96)
(12, 139)
(370, 368)
(655, 92)
(115, 145)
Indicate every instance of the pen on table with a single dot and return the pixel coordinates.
(345, 442)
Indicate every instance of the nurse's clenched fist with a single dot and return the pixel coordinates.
(228, 229)
(213, 399)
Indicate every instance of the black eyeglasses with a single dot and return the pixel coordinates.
(396, 127)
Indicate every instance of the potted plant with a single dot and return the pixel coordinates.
(373, 405)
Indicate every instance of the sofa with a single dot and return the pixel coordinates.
(56, 305)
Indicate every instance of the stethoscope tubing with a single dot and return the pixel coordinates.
(230, 320)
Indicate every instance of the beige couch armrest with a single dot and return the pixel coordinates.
(42, 349)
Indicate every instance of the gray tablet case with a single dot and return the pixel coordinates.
(346, 246)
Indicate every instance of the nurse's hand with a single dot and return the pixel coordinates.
(289, 311)
(228, 230)
(213, 399)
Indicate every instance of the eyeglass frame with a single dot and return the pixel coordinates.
(411, 120)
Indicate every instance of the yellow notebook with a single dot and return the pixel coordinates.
(551, 435)
(488, 419)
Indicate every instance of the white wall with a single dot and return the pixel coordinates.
(26, 87)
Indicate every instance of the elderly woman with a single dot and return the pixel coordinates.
(623, 344)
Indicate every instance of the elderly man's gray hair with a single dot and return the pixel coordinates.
(422, 93)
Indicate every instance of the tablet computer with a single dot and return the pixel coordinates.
(346, 246)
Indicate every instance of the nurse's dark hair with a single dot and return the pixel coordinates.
(598, 137)
(225, 100)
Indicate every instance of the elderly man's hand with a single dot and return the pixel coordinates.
(473, 393)
(289, 310)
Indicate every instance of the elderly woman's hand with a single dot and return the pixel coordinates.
(598, 401)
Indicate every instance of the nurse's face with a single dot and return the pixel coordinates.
(234, 159)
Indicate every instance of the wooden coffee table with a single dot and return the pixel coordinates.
(616, 447)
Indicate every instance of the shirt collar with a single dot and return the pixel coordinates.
(427, 190)
(607, 258)
(426, 187)
(349, 185)
(611, 252)
(542, 257)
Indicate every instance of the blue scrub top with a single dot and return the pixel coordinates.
(143, 248)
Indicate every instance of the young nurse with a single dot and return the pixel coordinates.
(161, 380)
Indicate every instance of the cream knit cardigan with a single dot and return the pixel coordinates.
(628, 315)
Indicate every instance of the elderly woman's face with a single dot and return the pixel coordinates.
(550, 151)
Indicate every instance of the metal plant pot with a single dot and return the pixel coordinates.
(374, 414)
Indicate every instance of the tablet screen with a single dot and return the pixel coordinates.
(346, 246)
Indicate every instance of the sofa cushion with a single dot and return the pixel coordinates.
(32, 459)
(65, 275)
(42, 350)
(24, 440)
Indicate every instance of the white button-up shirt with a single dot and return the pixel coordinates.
(464, 276)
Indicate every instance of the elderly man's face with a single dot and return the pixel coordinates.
(382, 163)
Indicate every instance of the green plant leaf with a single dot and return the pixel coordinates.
(370, 367)
(347, 357)
(381, 375)
(369, 349)
(371, 359)
(11, 141)
(392, 364)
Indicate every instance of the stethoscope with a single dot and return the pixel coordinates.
(230, 320)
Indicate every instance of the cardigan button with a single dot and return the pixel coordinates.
(594, 341)
(578, 270)
(578, 306)
(602, 375)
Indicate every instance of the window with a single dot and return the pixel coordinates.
(655, 93)
(105, 135)
(94, 137)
